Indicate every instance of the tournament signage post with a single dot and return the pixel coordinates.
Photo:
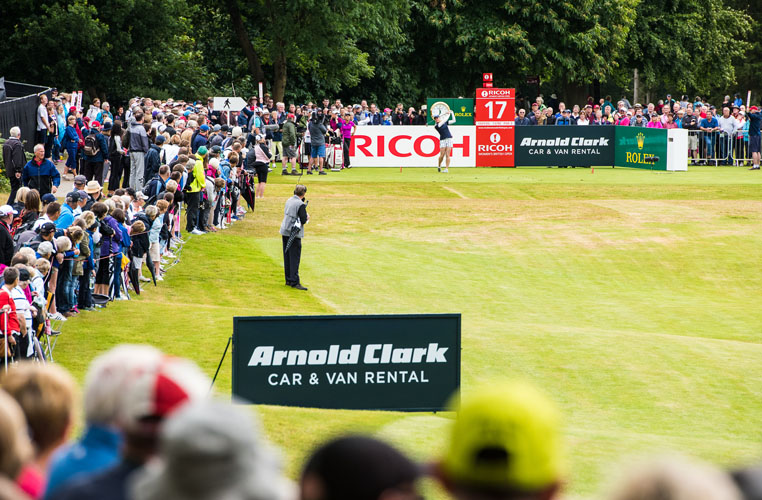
(495, 112)
(388, 362)
(636, 145)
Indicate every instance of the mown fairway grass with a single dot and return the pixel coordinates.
(631, 297)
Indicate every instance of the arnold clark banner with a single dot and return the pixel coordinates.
(565, 145)
(634, 145)
(395, 362)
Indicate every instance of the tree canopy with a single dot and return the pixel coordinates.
(384, 50)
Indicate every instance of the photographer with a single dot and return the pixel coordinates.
(295, 217)
(317, 131)
(398, 117)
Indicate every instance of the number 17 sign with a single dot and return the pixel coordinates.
(494, 117)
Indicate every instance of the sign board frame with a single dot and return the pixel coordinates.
(408, 362)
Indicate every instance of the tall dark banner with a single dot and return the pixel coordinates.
(565, 145)
(395, 362)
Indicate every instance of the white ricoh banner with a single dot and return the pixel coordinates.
(410, 146)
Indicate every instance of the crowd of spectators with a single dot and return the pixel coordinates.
(154, 431)
(717, 135)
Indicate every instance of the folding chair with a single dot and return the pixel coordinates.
(5, 341)
(46, 332)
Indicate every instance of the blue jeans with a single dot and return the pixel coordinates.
(709, 139)
(63, 295)
(85, 296)
(70, 287)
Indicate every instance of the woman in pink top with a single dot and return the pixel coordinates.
(347, 131)
(655, 122)
(670, 121)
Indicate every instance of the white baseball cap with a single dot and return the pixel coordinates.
(6, 210)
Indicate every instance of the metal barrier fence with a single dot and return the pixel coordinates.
(718, 148)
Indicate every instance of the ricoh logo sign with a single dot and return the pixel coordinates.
(409, 362)
(413, 146)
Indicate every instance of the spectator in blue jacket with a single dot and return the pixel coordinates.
(521, 119)
(96, 151)
(153, 159)
(70, 142)
(40, 173)
(199, 140)
(565, 118)
(104, 394)
(66, 218)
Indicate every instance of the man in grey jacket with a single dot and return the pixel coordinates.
(138, 148)
(295, 217)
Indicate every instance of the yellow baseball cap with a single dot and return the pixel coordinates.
(505, 437)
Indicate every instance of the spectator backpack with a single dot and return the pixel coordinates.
(91, 145)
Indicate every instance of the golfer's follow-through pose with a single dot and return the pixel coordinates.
(292, 231)
(445, 139)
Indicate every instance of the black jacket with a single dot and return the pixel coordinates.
(6, 245)
(140, 242)
(152, 162)
(13, 157)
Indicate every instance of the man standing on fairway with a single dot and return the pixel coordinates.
(755, 117)
(294, 219)
(445, 138)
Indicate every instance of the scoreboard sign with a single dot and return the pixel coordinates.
(494, 116)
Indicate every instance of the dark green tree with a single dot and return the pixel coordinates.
(111, 48)
(315, 39)
(686, 45)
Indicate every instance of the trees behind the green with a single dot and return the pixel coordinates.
(384, 50)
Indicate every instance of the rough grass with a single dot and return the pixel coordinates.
(630, 296)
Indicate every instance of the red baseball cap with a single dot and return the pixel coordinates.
(753, 108)
(96, 124)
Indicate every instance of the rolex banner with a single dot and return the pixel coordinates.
(565, 146)
(634, 145)
(395, 362)
(463, 109)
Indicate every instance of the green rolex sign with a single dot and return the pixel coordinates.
(636, 145)
(462, 108)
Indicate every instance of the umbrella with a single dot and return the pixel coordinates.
(294, 233)
(246, 191)
(133, 274)
(149, 263)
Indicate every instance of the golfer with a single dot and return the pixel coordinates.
(445, 138)
(292, 232)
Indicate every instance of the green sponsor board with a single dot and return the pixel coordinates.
(635, 145)
(463, 109)
(395, 362)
